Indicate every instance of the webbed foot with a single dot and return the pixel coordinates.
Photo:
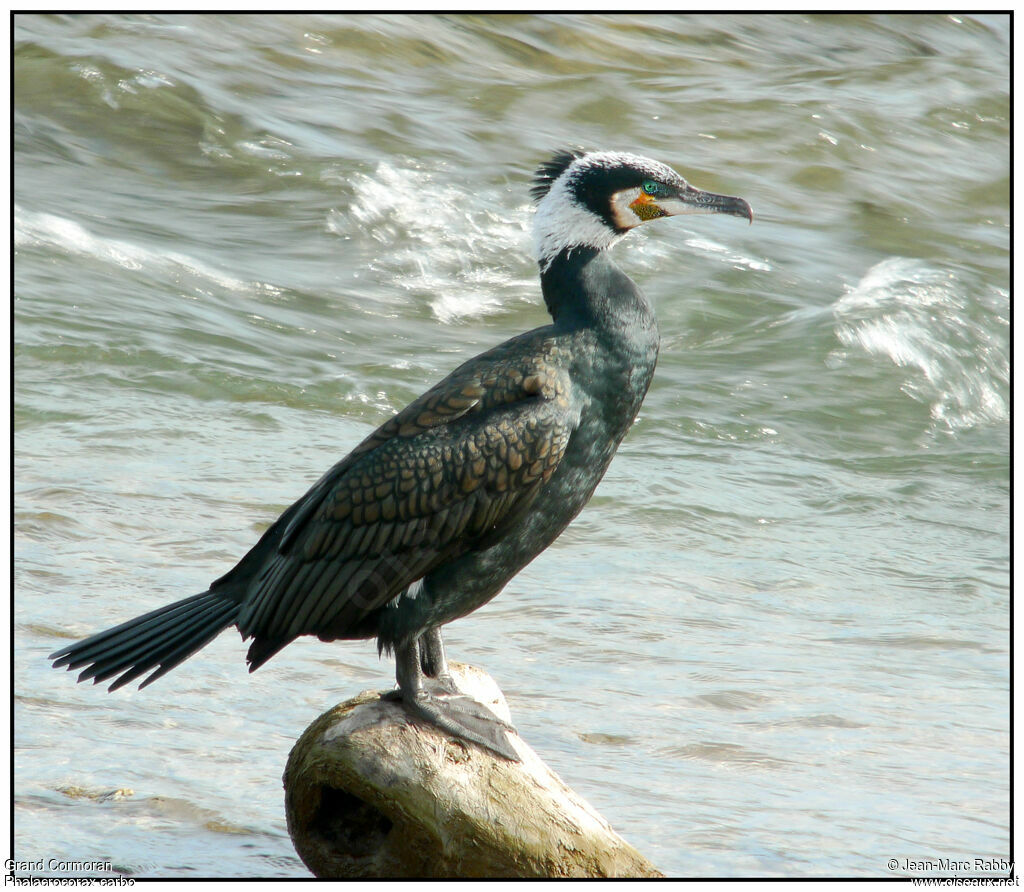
(429, 692)
(465, 718)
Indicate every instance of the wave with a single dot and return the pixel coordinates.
(951, 334)
(455, 245)
(43, 230)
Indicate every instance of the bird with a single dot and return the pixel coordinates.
(432, 514)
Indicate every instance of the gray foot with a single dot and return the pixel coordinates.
(465, 718)
(433, 696)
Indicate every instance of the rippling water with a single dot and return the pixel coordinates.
(776, 643)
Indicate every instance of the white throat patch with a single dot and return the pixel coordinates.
(561, 223)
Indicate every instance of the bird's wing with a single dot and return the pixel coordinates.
(441, 475)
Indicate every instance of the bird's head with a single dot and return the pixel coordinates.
(592, 199)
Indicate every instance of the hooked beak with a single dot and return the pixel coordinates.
(695, 201)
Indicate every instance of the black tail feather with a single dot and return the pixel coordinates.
(262, 649)
(134, 636)
(160, 648)
(158, 640)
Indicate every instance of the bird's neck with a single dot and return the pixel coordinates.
(583, 288)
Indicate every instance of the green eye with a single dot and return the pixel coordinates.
(651, 187)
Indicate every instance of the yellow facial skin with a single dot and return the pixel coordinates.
(646, 208)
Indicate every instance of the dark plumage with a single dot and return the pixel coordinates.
(551, 170)
(432, 514)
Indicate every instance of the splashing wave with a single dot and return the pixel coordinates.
(444, 240)
(953, 336)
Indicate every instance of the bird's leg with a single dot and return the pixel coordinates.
(457, 714)
(434, 662)
(438, 679)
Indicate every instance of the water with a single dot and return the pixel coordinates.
(776, 642)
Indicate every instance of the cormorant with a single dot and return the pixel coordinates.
(431, 515)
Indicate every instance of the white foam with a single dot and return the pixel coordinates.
(714, 249)
(930, 321)
(62, 234)
(440, 238)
